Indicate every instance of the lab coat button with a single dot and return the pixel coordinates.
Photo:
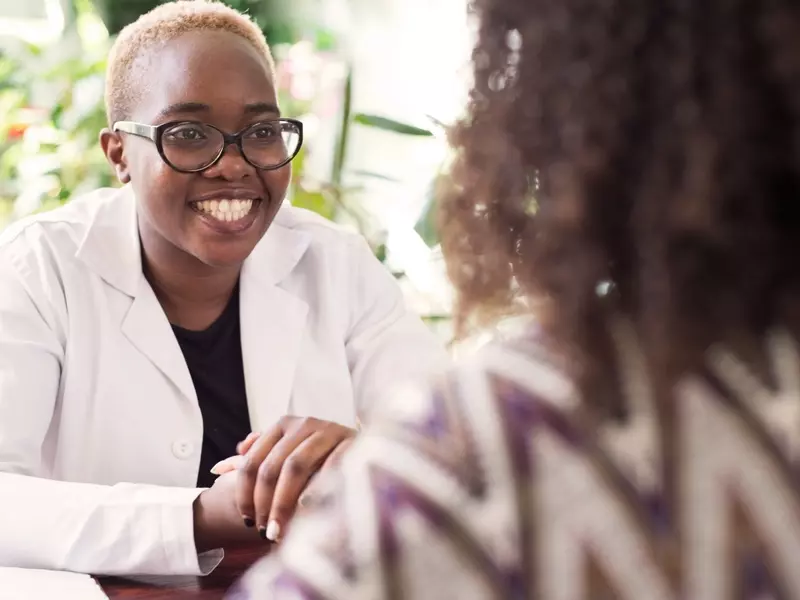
(182, 449)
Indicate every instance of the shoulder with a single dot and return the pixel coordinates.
(58, 231)
(507, 389)
(524, 368)
(321, 232)
(325, 251)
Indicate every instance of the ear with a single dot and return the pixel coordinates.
(112, 145)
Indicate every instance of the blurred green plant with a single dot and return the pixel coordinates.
(11, 99)
(426, 224)
(116, 14)
(333, 199)
(387, 124)
(50, 115)
(276, 18)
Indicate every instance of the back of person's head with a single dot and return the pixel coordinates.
(156, 28)
(640, 157)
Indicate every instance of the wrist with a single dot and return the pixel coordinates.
(203, 536)
(217, 523)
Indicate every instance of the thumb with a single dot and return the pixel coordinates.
(229, 464)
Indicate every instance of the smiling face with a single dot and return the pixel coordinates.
(217, 216)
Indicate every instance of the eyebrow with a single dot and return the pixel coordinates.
(199, 107)
(261, 107)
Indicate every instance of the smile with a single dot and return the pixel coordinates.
(226, 211)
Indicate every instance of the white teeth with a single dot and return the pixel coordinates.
(226, 210)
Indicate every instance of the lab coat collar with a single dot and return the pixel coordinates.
(112, 249)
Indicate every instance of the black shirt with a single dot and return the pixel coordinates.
(214, 358)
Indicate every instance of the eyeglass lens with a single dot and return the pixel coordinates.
(192, 146)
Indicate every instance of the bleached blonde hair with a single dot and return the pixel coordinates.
(163, 23)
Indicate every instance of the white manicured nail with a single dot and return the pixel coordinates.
(273, 530)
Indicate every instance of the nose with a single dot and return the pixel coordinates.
(231, 166)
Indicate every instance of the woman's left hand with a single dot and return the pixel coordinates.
(277, 465)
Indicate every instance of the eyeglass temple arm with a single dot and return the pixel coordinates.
(146, 131)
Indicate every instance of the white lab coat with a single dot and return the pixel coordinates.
(100, 430)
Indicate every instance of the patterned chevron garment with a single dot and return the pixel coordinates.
(493, 486)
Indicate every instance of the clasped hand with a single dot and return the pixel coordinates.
(274, 467)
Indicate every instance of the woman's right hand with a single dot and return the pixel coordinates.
(217, 522)
(236, 461)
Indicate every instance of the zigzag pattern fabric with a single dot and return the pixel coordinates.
(495, 484)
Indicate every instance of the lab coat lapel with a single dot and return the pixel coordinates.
(273, 323)
(146, 326)
(112, 249)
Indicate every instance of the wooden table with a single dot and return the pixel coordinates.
(213, 586)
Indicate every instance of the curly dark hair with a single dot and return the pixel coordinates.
(648, 146)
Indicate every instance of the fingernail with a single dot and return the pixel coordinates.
(215, 468)
(248, 522)
(262, 531)
(273, 530)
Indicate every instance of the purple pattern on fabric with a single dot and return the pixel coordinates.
(756, 578)
(523, 413)
(291, 582)
(454, 450)
(659, 511)
(238, 591)
(394, 496)
(436, 425)
(286, 581)
(526, 412)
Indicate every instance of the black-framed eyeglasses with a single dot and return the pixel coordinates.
(193, 146)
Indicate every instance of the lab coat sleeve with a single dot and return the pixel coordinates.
(49, 524)
(386, 345)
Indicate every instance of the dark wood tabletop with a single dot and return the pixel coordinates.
(213, 586)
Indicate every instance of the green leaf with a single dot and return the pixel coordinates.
(380, 252)
(373, 175)
(325, 40)
(340, 152)
(387, 124)
(33, 49)
(426, 225)
(56, 112)
(437, 122)
(63, 195)
(436, 318)
(314, 201)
